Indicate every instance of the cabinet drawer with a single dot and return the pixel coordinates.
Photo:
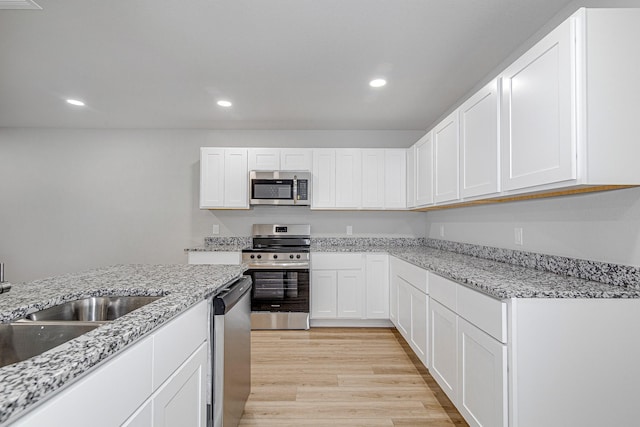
(488, 314)
(336, 261)
(443, 290)
(412, 274)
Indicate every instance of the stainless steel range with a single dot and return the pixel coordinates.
(279, 266)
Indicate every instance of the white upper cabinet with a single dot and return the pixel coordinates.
(324, 178)
(236, 178)
(395, 178)
(264, 159)
(291, 159)
(411, 176)
(224, 178)
(479, 142)
(296, 159)
(445, 145)
(538, 124)
(424, 170)
(373, 178)
(349, 176)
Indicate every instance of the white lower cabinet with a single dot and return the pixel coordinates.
(350, 294)
(337, 286)
(139, 382)
(419, 322)
(181, 400)
(409, 294)
(482, 377)
(324, 294)
(404, 309)
(349, 287)
(377, 286)
(444, 348)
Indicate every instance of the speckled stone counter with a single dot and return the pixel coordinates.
(502, 279)
(26, 383)
(500, 273)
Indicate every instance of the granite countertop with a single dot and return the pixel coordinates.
(504, 281)
(26, 383)
(497, 279)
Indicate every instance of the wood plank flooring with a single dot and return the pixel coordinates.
(342, 377)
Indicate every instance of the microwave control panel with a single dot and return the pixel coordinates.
(303, 189)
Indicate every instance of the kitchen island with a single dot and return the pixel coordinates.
(28, 383)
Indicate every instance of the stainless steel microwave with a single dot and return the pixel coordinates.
(292, 188)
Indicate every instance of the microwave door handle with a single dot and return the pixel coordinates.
(295, 189)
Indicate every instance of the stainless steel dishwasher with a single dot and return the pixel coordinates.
(231, 352)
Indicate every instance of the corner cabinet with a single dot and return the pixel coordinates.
(224, 178)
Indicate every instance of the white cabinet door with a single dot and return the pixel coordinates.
(373, 178)
(443, 345)
(181, 400)
(264, 159)
(211, 177)
(350, 294)
(295, 159)
(482, 376)
(393, 295)
(324, 293)
(324, 178)
(395, 178)
(236, 178)
(538, 132)
(479, 142)
(404, 309)
(446, 159)
(424, 170)
(349, 178)
(419, 322)
(411, 177)
(377, 286)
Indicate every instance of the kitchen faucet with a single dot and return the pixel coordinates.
(4, 287)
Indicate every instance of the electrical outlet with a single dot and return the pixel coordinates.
(518, 236)
(442, 231)
(215, 229)
(349, 230)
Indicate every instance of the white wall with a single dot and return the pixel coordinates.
(77, 199)
(599, 226)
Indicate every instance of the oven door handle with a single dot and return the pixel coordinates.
(283, 266)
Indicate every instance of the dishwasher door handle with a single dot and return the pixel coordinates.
(230, 295)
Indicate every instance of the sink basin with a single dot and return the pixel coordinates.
(20, 341)
(95, 309)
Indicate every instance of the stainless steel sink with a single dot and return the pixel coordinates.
(95, 309)
(21, 341)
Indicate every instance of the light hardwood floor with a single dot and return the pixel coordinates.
(342, 377)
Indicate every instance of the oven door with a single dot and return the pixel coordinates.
(285, 290)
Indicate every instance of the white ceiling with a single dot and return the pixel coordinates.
(285, 64)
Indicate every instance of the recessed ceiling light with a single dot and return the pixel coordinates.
(377, 82)
(75, 102)
(224, 103)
